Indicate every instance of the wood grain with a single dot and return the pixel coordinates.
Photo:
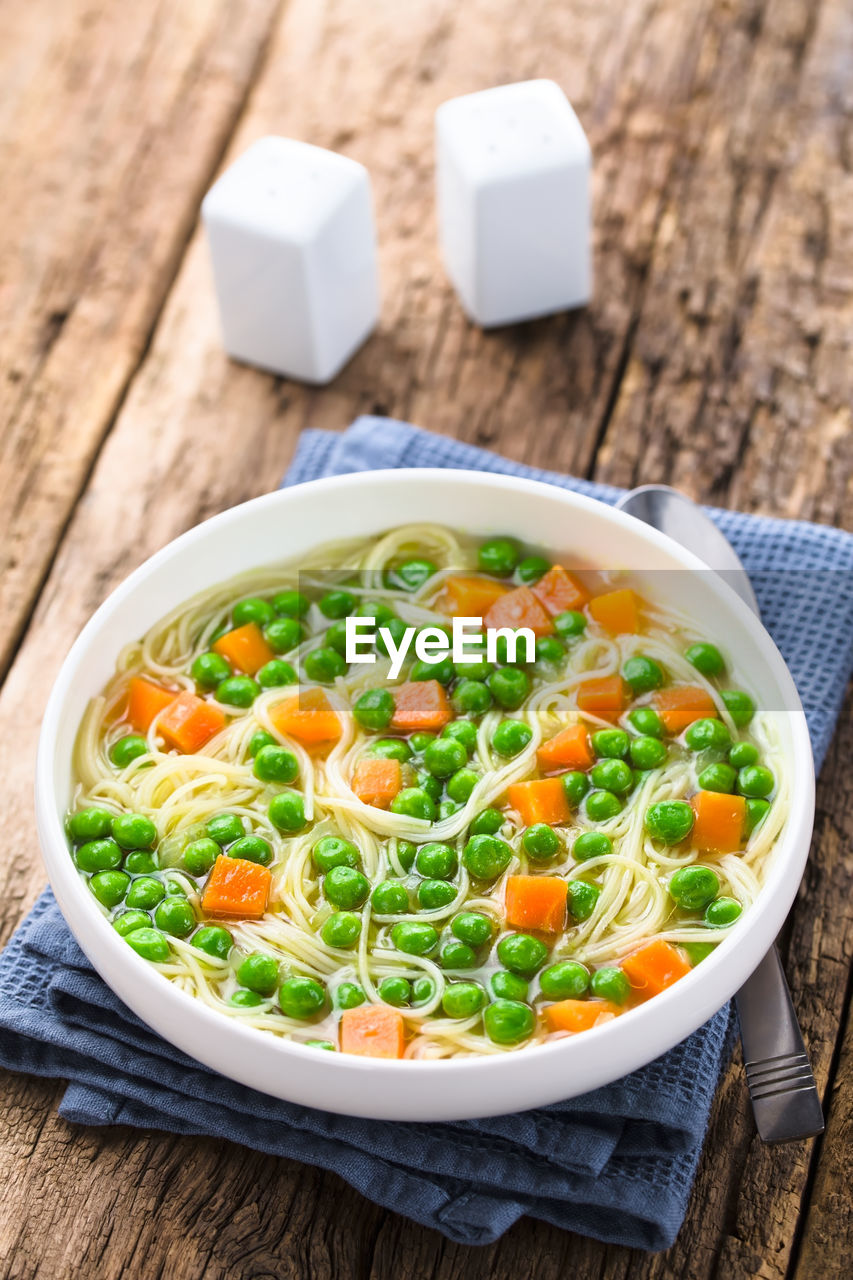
(714, 355)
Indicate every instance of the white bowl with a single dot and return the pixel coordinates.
(291, 522)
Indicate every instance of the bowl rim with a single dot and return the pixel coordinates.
(187, 1022)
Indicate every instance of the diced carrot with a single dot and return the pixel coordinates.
(465, 597)
(520, 608)
(602, 696)
(540, 801)
(617, 611)
(189, 722)
(569, 749)
(372, 1031)
(308, 717)
(720, 821)
(377, 781)
(236, 888)
(245, 648)
(420, 706)
(145, 700)
(679, 707)
(536, 902)
(579, 1015)
(654, 967)
(560, 590)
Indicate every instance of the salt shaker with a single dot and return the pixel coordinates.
(292, 239)
(513, 191)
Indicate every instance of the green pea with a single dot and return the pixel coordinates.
(486, 857)
(276, 764)
(437, 861)
(145, 892)
(213, 939)
(199, 856)
(390, 898)
(423, 989)
(647, 752)
(128, 749)
(705, 735)
(414, 937)
(487, 823)
(397, 628)
(301, 997)
(755, 781)
(531, 569)
(722, 912)
(611, 984)
(413, 802)
(570, 624)
(245, 999)
(566, 980)
(334, 851)
(520, 953)
(260, 739)
(463, 731)
(374, 709)
(336, 637)
(511, 737)
(461, 786)
(134, 831)
(692, 888)
(151, 944)
(252, 849)
(427, 783)
(109, 887)
(276, 673)
(443, 671)
(324, 665)
(175, 916)
(509, 687)
(433, 894)
(291, 604)
(540, 842)
(287, 811)
(341, 929)
(508, 1021)
(237, 691)
(583, 899)
(444, 756)
(706, 658)
(473, 669)
(756, 811)
(420, 741)
(141, 862)
(224, 828)
(457, 955)
(98, 855)
(591, 844)
(395, 991)
(472, 927)
(739, 705)
(406, 854)
(509, 986)
(349, 995)
(549, 650)
(130, 920)
(612, 775)
(471, 697)
(642, 674)
(337, 604)
(499, 556)
(345, 887)
(670, 821)
(698, 951)
(601, 806)
(611, 744)
(447, 808)
(575, 786)
(717, 777)
(259, 973)
(210, 669)
(743, 754)
(463, 999)
(252, 610)
(390, 749)
(375, 609)
(284, 634)
(647, 721)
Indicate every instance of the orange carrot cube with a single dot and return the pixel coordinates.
(245, 648)
(465, 597)
(560, 590)
(603, 697)
(569, 749)
(542, 800)
(421, 706)
(308, 717)
(145, 700)
(520, 608)
(536, 902)
(654, 967)
(190, 722)
(236, 888)
(376, 781)
(720, 821)
(372, 1031)
(579, 1015)
(616, 611)
(680, 706)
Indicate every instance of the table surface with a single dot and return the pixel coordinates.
(714, 357)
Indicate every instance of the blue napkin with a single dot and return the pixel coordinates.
(616, 1164)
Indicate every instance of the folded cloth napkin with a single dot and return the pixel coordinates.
(616, 1164)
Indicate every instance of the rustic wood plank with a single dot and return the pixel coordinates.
(670, 94)
(115, 116)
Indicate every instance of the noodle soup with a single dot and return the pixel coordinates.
(463, 858)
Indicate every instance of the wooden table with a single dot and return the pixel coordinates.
(715, 357)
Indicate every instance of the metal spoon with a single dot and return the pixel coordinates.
(784, 1095)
